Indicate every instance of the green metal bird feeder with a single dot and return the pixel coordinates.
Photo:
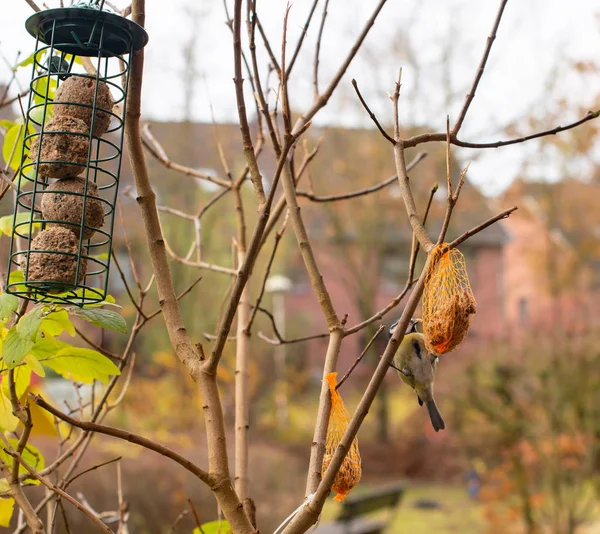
(71, 156)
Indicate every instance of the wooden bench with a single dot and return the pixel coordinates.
(354, 516)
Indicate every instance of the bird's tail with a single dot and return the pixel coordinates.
(437, 420)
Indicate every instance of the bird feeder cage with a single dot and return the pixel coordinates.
(71, 153)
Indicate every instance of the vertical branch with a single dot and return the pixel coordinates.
(146, 200)
(23, 414)
(238, 80)
(403, 180)
(189, 355)
(33, 521)
(333, 323)
(318, 51)
(242, 423)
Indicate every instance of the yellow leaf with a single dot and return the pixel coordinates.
(82, 365)
(8, 421)
(6, 511)
(35, 366)
(56, 322)
(43, 422)
(22, 374)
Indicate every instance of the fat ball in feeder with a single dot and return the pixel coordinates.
(63, 201)
(53, 259)
(78, 94)
(64, 153)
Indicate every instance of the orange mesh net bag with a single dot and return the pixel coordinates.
(350, 472)
(448, 301)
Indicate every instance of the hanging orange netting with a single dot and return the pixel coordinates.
(448, 301)
(350, 472)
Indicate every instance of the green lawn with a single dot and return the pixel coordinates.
(458, 514)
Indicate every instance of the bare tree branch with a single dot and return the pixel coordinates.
(365, 350)
(371, 114)
(361, 192)
(126, 436)
(318, 51)
(154, 147)
(238, 80)
(62, 493)
(431, 137)
(480, 227)
(322, 100)
(480, 69)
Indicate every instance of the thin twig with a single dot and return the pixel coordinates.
(278, 236)
(238, 80)
(430, 137)
(195, 514)
(282, 341)
(97, 347)
(480, 69)
(361, 192)
(62, 493)
(33, 5)
(179, 297)
(459, 240)
(415, 242)
(301, 38)
(365, 350)
(98, 466)
(156, 149)
(371, 114)
(126, 436)
(318, 51)
(125, 283)
(323, 98)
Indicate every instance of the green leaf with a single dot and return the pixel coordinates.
(47, 347)
(42, 86)
(27, 61)
(13, 146)
(22, 375)
(8, 305)
(8, 421)
(214, 527)
(34, 365)
(29, 324)
(31, 454)
(82, 365)
(15, 347)
(56, 322)
(103, 318)
(7, 507)
(76, 60)
(6, 224)
(6, 124)
(37, 114)
(16, 277)
(108, 299)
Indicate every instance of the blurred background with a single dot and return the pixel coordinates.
(521, 397)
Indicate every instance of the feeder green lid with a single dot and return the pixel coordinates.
(78, 29)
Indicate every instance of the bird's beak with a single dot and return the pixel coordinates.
(412, 326)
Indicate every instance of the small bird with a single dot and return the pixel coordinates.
(416, 368)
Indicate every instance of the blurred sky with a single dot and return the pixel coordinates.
(437, 42)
